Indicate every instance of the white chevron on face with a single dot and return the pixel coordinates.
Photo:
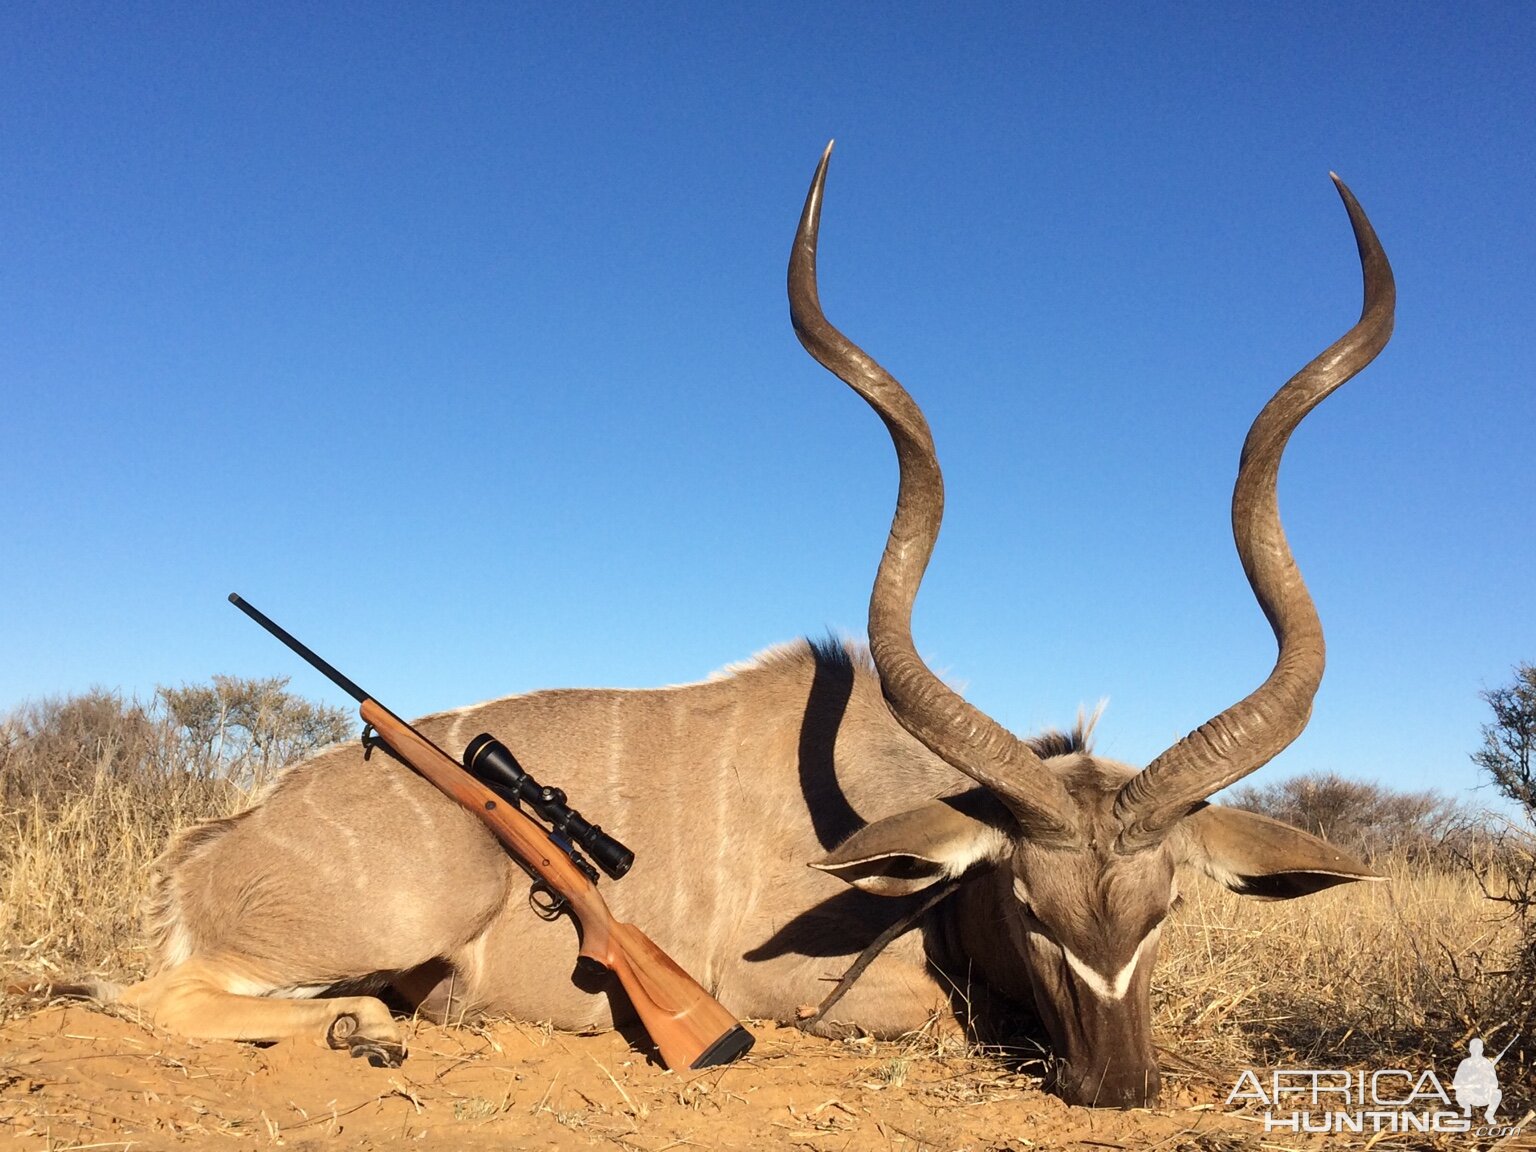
(1110, 987)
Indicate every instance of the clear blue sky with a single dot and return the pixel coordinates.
(454, 337)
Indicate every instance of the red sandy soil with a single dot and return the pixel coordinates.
(76, 1077)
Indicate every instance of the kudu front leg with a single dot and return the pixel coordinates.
(205, 1000)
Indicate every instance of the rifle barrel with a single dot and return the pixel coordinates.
(315, 662)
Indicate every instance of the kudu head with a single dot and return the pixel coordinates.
(1080, 852)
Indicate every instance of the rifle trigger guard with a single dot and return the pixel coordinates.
(369, 738)
(547, 904)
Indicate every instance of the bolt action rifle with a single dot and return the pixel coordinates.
(689, 1027)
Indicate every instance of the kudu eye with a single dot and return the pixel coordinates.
(1021, 894)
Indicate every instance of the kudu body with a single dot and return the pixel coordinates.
(351, 873)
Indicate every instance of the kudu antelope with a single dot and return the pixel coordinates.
(784, 814)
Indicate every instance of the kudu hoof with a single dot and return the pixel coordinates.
(380, 1053)
(343, 1033)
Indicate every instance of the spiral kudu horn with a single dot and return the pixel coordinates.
(932, 712)
(1249, 733)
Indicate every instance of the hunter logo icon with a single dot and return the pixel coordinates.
(1476, 1083)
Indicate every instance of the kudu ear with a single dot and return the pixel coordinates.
(914, 849)
(1256, 856)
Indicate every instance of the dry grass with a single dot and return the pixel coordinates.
(1400, 973)
(74, 868)
(79, 830)
(92, 787)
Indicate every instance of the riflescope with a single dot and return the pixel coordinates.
(491, 762)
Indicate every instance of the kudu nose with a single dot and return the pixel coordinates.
(1122, 1087)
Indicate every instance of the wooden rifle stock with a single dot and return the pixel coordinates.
(689, 1027)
